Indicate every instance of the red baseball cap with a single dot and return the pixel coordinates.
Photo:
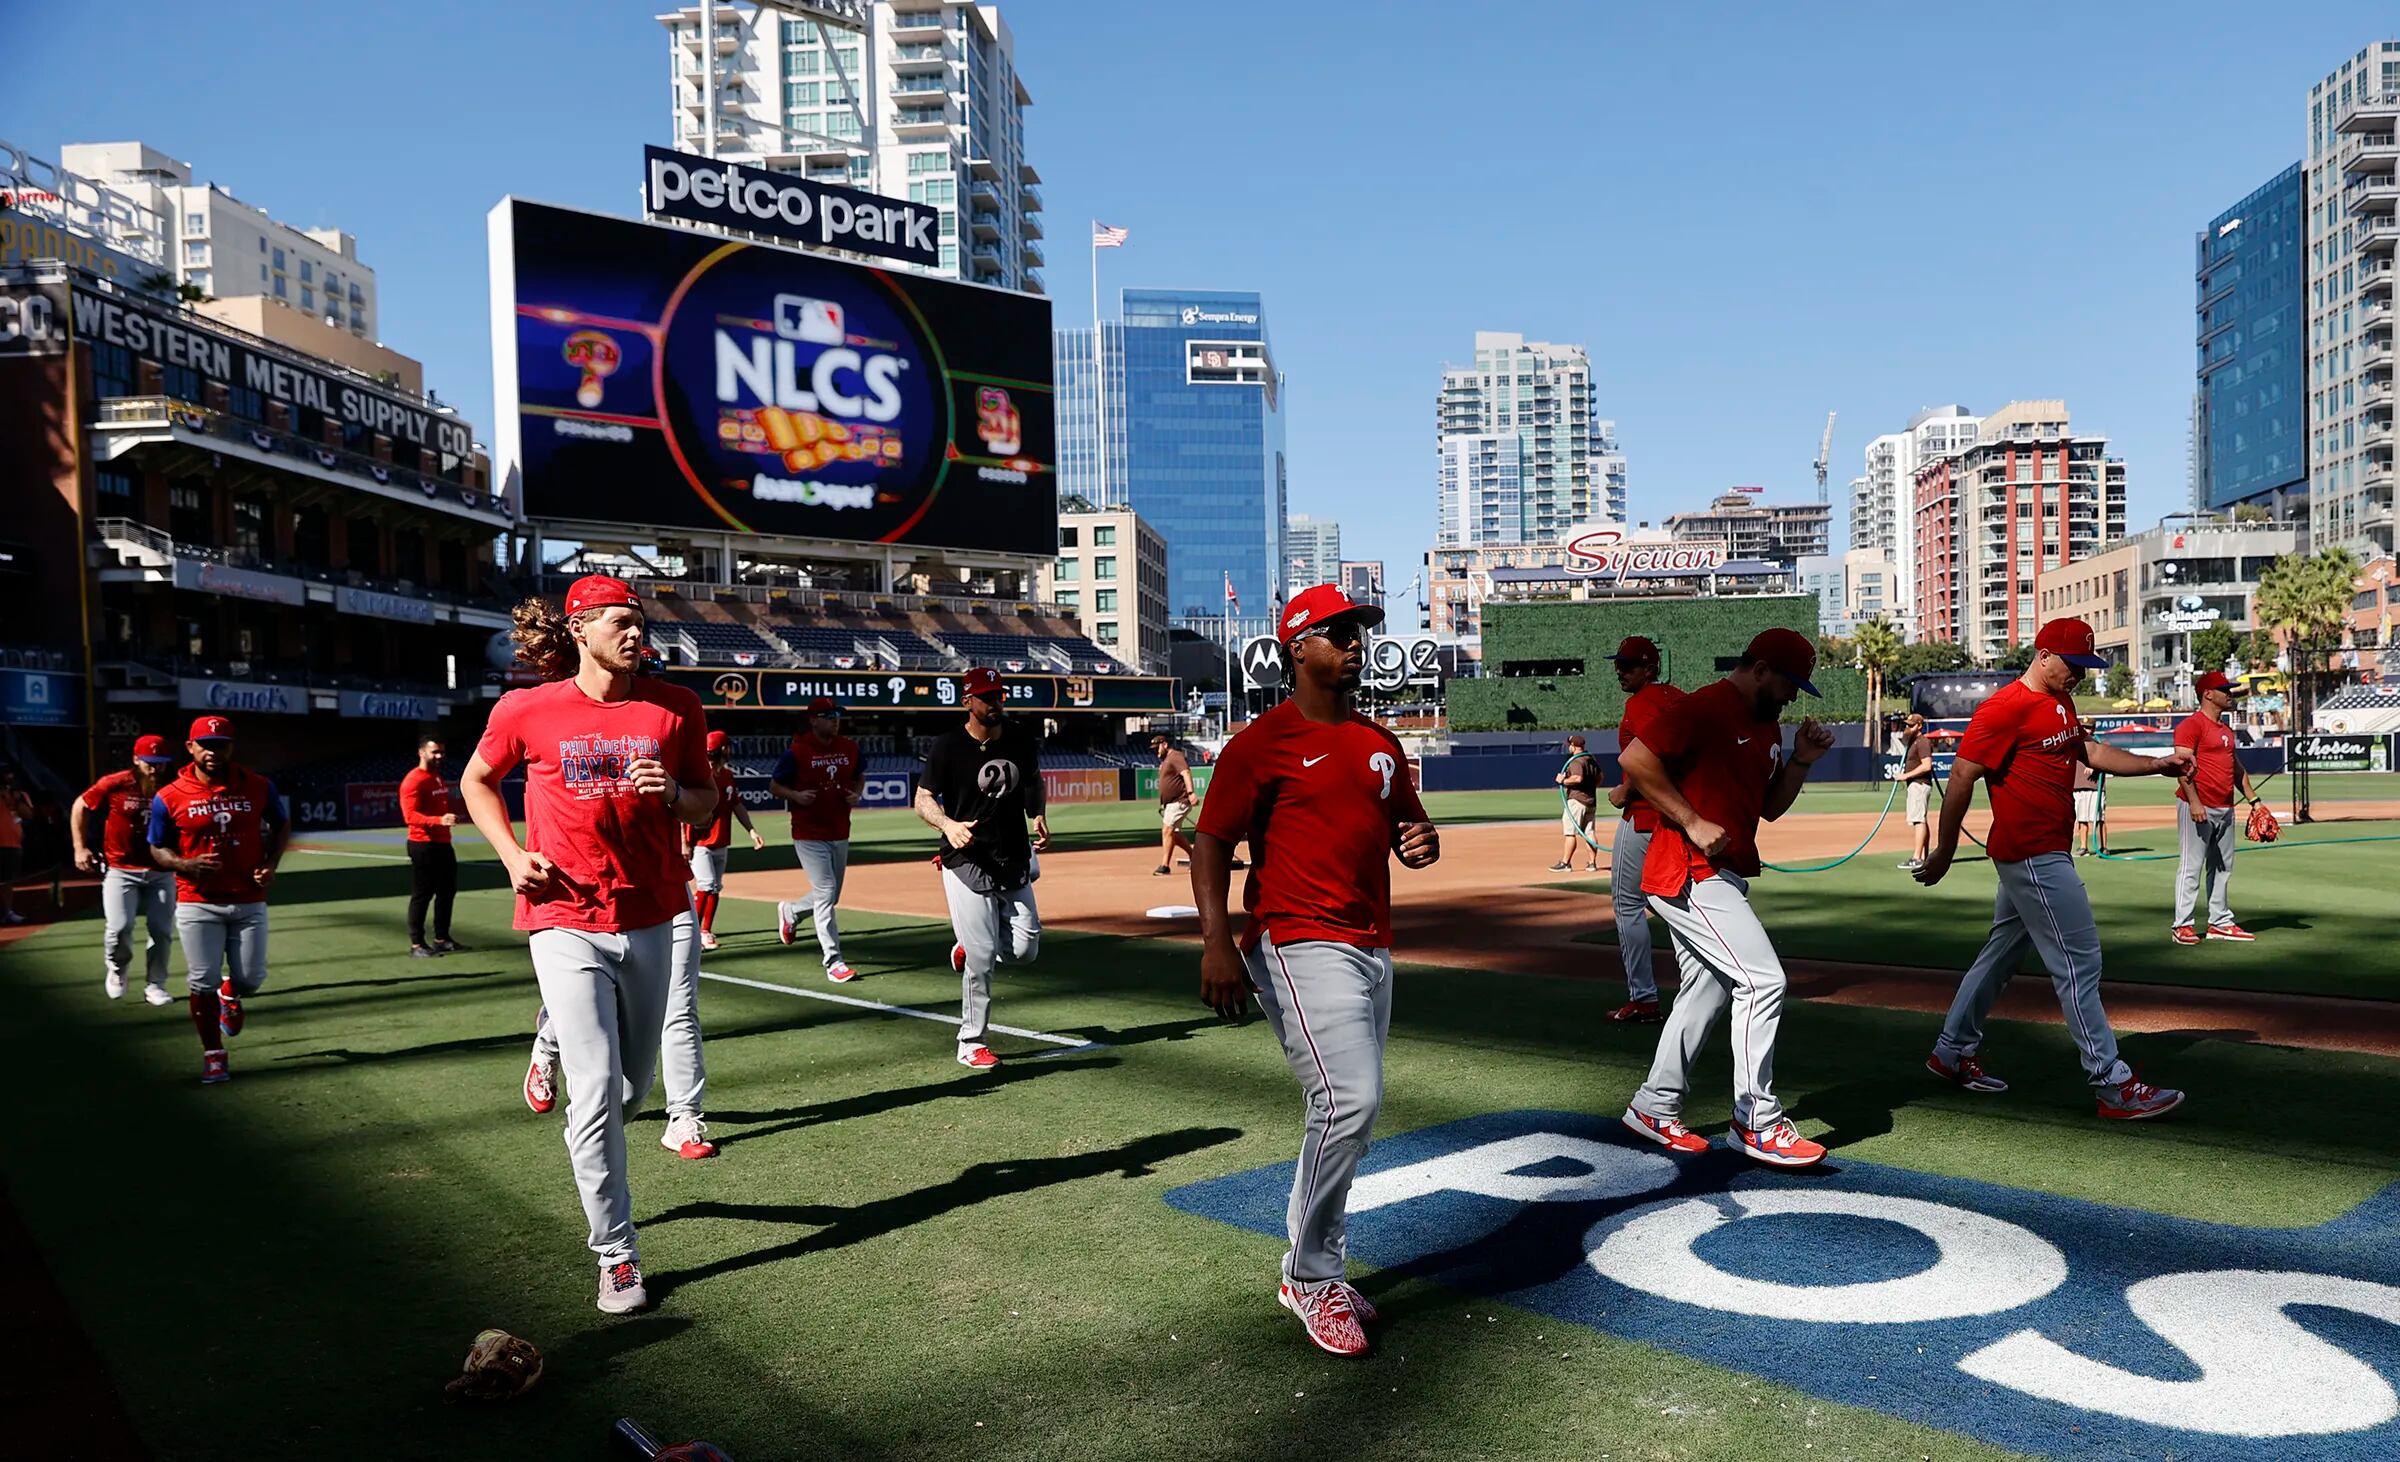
(211, 728)
(153, 749)
(983, 682)
(599, 591)
(1635, 650)
(2216, 680)
(716, 741)
(1322, 604)
(2071, 641)
(1788, 653)
(826, 705)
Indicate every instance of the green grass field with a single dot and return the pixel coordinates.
(896, 1258)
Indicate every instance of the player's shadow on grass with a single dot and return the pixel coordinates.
(838, 1227)
(345, 1056)
(1136, 1035)
(427, 978)
(874, 1103)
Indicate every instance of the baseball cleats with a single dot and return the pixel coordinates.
(978, 1057)
(229, 1009)
(1326, 1311)
(621, 1291)
(958, 958)
(114, 985)
(840, 973)
(2137, 1101)
(2234, 932)
(1779, 1144)
(2184, 934)
(1637, 1012)
(1968, 1074)
(1667, 1132)
(707, 940)
(785, 925)
(213, 1068)
(687, 1137)
(157, 995)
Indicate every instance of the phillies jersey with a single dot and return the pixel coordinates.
(2029, 743)
(719, 832)
(1641, 709)
(619, 852)
(828, 767)
(1320, 804)
(227, 819)
(424, 802)
(1722, 758)
(2212, 744)
(124, 821)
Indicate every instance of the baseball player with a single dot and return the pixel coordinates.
(432, 862)
(1174, 802)
(1325, 798)
(983, 783)
(1581, 777)
(709, 847)
(1713, 765)
(132, 886)
(821, 777)
(220, 828)
(1916, 776)
(1646, 695)
(2205, 835)
(2025, 741)
(614, 761)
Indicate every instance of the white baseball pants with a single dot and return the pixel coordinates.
(606, 995)
(1633, 910)
(148, 894)
(1331, 1006)
(826, 864)
(2041, 905)
(1725, 959)
(227, 937)
(994, 928)
(2207, 863)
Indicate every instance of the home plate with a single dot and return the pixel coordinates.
(1175, 911)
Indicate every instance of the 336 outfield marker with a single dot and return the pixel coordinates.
(2046, 1324)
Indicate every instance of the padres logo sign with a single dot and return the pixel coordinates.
(731, 688)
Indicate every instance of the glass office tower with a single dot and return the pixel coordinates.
(2251, 289)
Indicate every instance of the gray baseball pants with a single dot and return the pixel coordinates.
(606, 995)
(994, 928)
(826, 864)
(149, 895)
(1633, 910)
(1331, 1006)
(679, 1058)
(2207, 862)
(231, 937)
(2041, 905)
(1726, 960)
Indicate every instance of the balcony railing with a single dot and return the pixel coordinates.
(156, 540)
(188, 420)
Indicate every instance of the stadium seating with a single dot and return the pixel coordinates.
(717, 644)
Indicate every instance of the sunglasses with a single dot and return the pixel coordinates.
(1339, 632)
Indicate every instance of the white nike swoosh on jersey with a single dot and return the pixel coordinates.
(1741, 741)
(1310, 761)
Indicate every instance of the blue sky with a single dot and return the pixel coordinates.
(1751, 215)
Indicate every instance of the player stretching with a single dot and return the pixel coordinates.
(710, 846)
(2026, 742)
(982, 782)
(2205, 834)
(1324, 796)
(1646, 695)
(821, 777)
(219, 828)
(432, 862)
(613, 762)
(134, 886)
(1712, 765)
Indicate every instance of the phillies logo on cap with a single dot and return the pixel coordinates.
(152, 749)
(599, 591)
(211, 728)
(1322, 602)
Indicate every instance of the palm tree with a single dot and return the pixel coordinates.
(1876, 645)
(2304, 601)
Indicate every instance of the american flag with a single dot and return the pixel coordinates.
(1108, 235)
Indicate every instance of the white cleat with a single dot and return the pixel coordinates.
(114, 985)
(157, 995)
(621, 1291)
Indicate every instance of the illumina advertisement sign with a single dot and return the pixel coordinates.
(662, 376)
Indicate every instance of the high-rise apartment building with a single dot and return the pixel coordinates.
(2029, 498)
(1522, 456)
(2250, 412)
(1882, 503)
(925, 103)
(1313, 549)
(2353, 206)
(1362, 580)
(1781, 533)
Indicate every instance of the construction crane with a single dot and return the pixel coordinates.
(1824, 455)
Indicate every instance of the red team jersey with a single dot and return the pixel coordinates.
(424, 801)
(828, 768)
(124, 820)
(2212, 745)
(719, 832)
(618, 851)
(1641, 709)
(1319, 804)
(228, 819)
(2029, 742)
(1722, 758)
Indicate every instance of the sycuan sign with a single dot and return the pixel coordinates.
(1604, 551)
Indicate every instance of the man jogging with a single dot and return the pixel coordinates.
(432, 862)
(983, 783)
(1580, 778)
(1174, 802)
(2205, 833)
(1647, 695)
(220, 828)
(821, 778)
(132, 886)
(2025, 741)
(709, 847)
(1325, 798)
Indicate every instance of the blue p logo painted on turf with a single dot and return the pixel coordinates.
(2007, 1315)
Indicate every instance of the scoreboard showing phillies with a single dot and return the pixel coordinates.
(655, 375)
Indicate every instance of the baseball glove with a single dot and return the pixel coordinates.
(2262, 827)
(500, 1368)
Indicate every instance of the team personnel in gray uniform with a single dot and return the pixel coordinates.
(1326, 799)
(2205, 833)
(2025, 741)
(132, 885)
(983, 782)
(1647, 695)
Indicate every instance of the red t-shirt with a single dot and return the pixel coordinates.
(719, 832)
(1722, 758)
(124, 816)
(1642, 708)
(618, 852)
(2029, 743)
(227, 818)
(1319, 805)
(424, 801)
(2212, 744)
(829, 768)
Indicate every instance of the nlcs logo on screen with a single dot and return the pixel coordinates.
(798, 317)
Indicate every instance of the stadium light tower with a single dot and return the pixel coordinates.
(737, 25)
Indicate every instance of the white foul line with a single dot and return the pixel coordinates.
(1074, 1042)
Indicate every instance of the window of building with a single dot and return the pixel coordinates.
(279, 291)
(278, 259)
(1070, 569)
(1104, 568)
(202, 282)
(1104, 536)
(802, 93)
(1067, 536)
(1068, 598)
(1104, 601)
(195, 252)
(921, 163)
(1106, 634)
(250, 526)
(308, 299)
(115, 488)
(308, 271)
(186, 518)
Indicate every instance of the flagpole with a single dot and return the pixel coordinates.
(1099, 377)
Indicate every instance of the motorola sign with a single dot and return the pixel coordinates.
(1262, 664)
(783, 206)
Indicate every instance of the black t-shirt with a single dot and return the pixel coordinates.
(983, 783)
(1583, 778)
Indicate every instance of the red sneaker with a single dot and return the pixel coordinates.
(979, 1057)
(1778, 1144)
(840, 973)
(707, 940)
(1637, 1012)
(1665, 1131)
(541, 1089)
(213, 1068)
(1361, 1306)
(229, 1009)
(2184, 934)
(1328, 1315)
(958, 958)
(687, 1138)
(2234, 932)
(2137, 1101)
(784, 923)
(1968, 1073)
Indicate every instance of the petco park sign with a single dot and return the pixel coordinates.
(2026, 1320)
(779, 205)
(1597, 551)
